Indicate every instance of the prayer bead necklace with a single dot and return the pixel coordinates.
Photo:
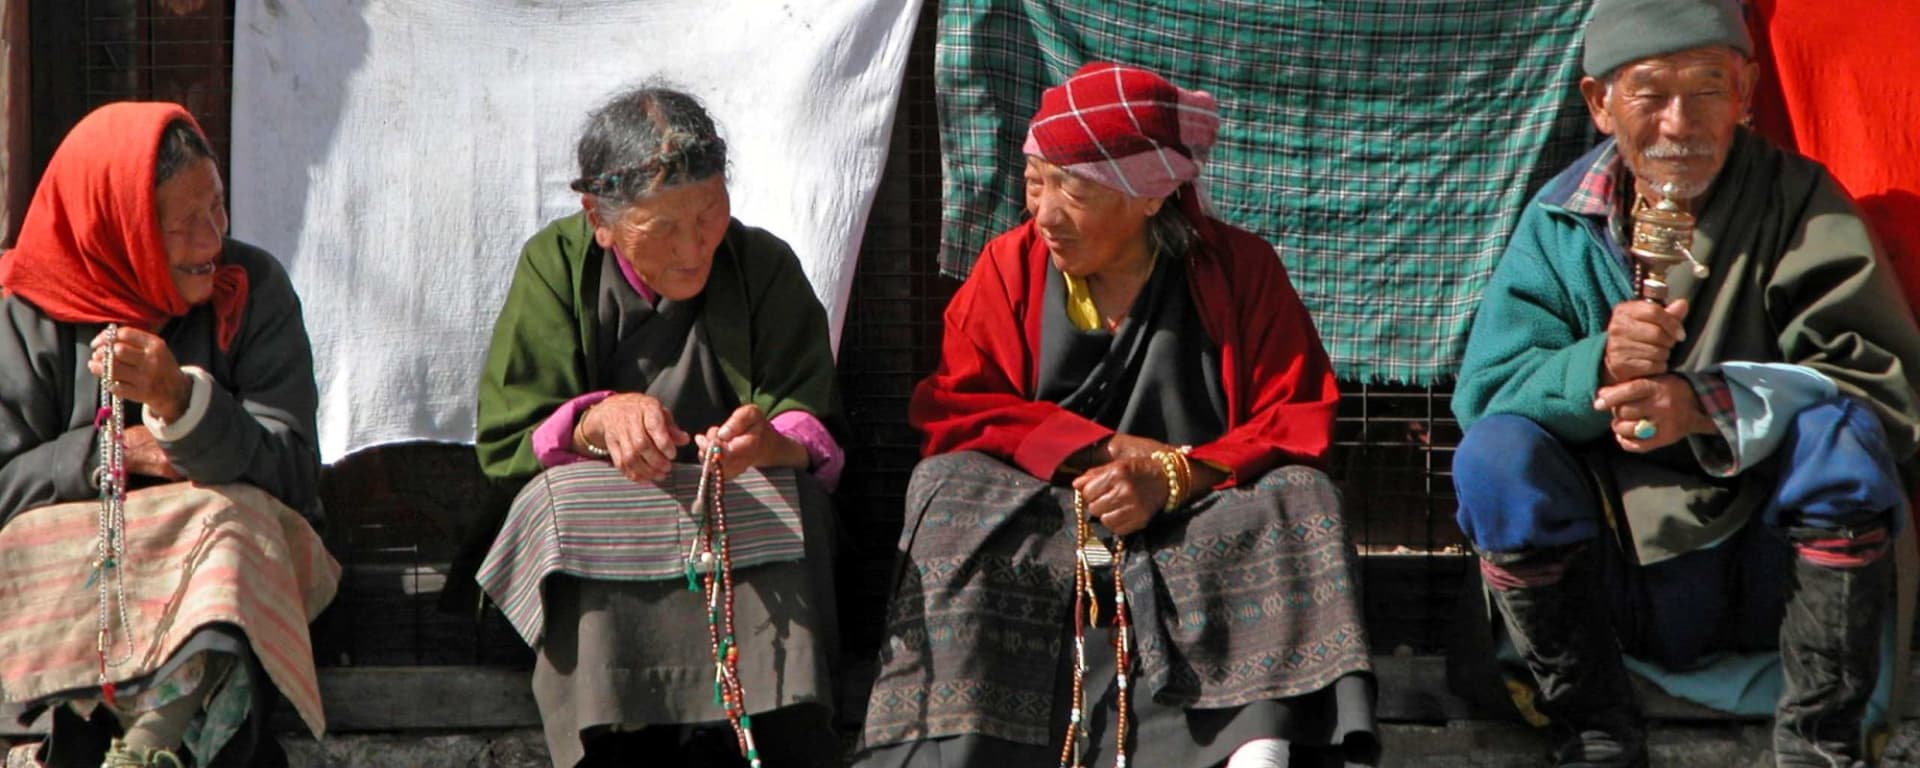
(1086, 612)
(712, 555)
(111, 523)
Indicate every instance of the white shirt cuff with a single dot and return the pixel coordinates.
(196, 408)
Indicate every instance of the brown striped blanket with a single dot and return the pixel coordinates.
(586, 519)
(195, 555)
(1248, 594)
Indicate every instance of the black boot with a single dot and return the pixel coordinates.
(1564, 632)
(1830, 659)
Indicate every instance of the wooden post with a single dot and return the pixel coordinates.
(16, 95)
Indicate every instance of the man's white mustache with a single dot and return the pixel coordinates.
(1666, 151)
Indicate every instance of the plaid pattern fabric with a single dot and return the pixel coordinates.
(1594, 196)
(1126, 128)
(1716, 398)
(1386, 147)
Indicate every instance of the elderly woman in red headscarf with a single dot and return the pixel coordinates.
(158, 562)
(1125, 378)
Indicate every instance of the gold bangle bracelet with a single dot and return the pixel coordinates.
(1186, 471)
(1169, 464)
(581, 438)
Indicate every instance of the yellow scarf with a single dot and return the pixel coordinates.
(1080, 308)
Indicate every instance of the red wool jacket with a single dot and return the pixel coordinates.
(1280, 388)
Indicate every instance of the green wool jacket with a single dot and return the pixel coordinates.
(762, 319)
(1796, 278)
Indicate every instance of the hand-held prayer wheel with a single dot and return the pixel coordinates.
(1662, 238)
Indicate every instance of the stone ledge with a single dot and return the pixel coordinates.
(1413, 689)
(1467, 744)
(485, 717)
(1460, 744)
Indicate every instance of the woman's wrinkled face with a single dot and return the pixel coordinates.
(1088, 227)
(192, 207)
(668, 237)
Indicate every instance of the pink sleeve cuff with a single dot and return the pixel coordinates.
(553, 439)
(825, 459)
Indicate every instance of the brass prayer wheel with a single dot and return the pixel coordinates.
(1662, 238)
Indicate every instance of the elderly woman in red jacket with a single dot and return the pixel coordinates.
(1124, 359)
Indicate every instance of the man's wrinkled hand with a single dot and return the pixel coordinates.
(1666, 404)
(1640, 337)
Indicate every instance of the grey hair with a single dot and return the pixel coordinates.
(1169, 231)
(180, 145)
(644, 140)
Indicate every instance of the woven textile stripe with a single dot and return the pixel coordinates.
(1386, 147)
(196, 555)
(588, 520)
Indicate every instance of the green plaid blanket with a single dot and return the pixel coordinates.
(1385, 146)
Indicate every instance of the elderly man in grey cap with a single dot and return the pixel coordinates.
(1680, 464)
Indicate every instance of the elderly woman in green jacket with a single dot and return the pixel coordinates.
(639, 334)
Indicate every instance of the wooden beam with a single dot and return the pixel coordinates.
(16, 180)
(427, 698)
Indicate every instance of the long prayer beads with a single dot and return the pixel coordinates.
(1086, 611)
(111, 523)
(711, 554)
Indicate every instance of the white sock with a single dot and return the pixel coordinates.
(1260, 753)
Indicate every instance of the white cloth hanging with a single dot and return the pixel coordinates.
(395, 154)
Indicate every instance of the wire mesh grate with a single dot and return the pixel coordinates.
(91, 52)
(1392, 457)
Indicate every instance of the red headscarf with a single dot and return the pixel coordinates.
(1131, 130)
(90, 249)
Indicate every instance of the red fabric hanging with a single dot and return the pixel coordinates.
(1840, 82)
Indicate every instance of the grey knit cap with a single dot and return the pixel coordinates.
(1625, 31)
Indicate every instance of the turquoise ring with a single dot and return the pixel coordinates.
(1644, 430)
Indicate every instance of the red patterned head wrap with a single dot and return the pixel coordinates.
(90, 250)
(1125, 128)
